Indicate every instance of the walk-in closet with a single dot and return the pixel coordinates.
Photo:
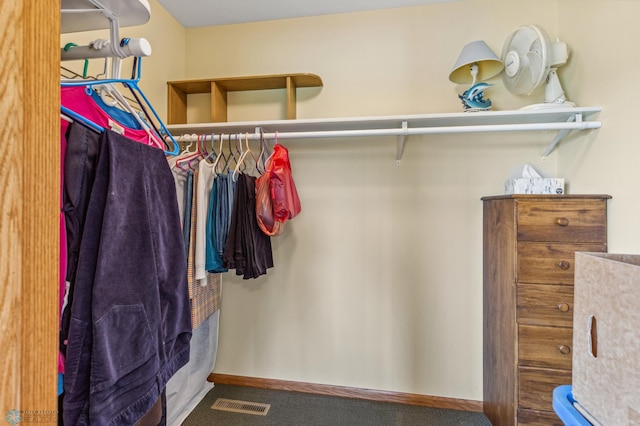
(369, 250)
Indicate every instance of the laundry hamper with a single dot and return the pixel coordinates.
(606, 337)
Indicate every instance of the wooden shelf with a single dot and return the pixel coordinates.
(218, 87)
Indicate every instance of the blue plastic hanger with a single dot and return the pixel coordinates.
(132, 84)
(77, 117)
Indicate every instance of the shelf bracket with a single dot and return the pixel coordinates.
(561, 135)
(401, 140)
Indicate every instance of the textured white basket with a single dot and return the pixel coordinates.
(606, 337)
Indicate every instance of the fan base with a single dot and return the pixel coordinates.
(550, 105)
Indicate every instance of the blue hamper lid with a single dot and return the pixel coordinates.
(563, 406)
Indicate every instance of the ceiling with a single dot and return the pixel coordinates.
(200, 13)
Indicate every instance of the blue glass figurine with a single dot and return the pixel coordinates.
(472, 99)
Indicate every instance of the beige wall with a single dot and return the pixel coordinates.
(378, 283)
(604, 72)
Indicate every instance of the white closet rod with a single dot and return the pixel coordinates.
(139, 47)
(398, 131)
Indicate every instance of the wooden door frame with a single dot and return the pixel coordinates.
(29, 207)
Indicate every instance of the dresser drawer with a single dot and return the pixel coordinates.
(547, 347)
(562, 220)
(538, 418)
(539, 304)
(550, 263)
(536, 385)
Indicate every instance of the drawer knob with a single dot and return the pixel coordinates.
(564, 350)
(564, 265)
(563, 307)
(562, 221)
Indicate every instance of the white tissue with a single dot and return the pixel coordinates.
(529, 172)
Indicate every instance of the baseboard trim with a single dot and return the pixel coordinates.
(348, 392)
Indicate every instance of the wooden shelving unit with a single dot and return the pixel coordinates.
(218, 87)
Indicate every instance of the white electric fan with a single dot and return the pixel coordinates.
(531, 59)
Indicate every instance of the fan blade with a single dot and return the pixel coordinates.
(513, 82)
(524, 40)
(537, 68)
(535, 46)
(521, 82)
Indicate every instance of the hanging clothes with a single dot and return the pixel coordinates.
(213, 259)
(77, 163)
(204, 292)
(81, 159)
(224, 209)
(62, 271)
(84, 101)
(206, 193)
(189, 385)
(130, 321)
(247, 249)
(180, 180)
(188, 208)
(241, 210)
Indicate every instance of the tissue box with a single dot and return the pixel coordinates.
(534, 186)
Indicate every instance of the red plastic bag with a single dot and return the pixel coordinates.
(284, 196)
(264, 207)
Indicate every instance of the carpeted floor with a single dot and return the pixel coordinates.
(301, 409)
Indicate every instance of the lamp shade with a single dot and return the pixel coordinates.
(476, 52)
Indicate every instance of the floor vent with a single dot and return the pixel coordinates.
(245, 407)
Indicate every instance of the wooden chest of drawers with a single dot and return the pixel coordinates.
(529, 243)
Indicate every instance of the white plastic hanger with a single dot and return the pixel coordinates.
(243, 157)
